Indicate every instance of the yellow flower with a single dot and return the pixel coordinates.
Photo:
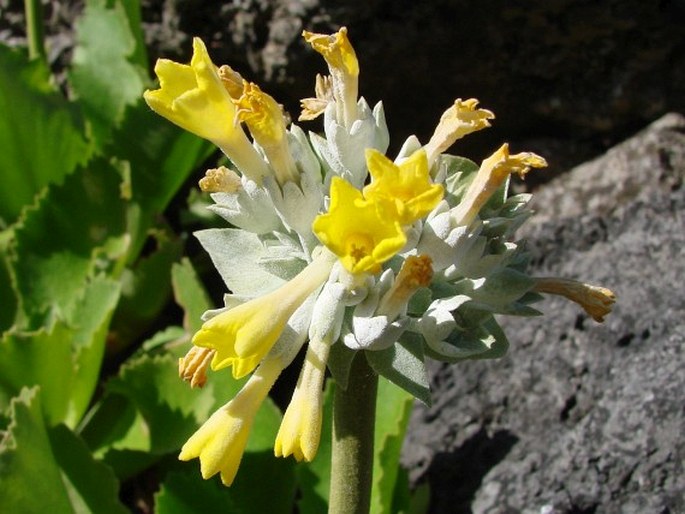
(407, 187)
(243, 335)
(357, 230)
(300, 430)
(194, 98)
(596, 301)
(265, 119)
(344, 68)
(220, 441)
(456, 122)
(492, 173)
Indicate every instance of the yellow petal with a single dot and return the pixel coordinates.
(460, 119)
(220, 442)
(243, 335)
(359, 232)
(406, 186)
(492, 173)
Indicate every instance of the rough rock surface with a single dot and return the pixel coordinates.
(579, 417)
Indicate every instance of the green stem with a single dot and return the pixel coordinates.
(354, 416)
(34, 29)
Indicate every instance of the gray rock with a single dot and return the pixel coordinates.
(579, 417)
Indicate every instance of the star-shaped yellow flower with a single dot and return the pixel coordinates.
(406, 187)
(358, 231)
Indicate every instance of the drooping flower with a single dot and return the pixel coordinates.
(194, 98)
(344, 69)
(358, 231)
(595, 300)
(406, 187)
(220, 442)
(460, 119)
(265, 119)
(492, 173)
(243, 335)
(300, 430)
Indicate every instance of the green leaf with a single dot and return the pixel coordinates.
(50, 470)
(91, 485)
(30, 477)
(314, 477)
(8, 295)
(184, 492)
(102, 75)
(460, 173)
(42, 359)
(41, 134)
(76, 230)
(393, 408)
(403, 364)
(91, 320)
(189, 294)
(146, 288)
(170, 408)
(161, 158)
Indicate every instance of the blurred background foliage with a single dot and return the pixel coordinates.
(96, 210)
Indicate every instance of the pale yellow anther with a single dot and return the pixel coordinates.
(492, 173)
(595, 300)
(220, 180)
(232, 81)
(416, 272)
(314, 107)
(344, 68)
(193, 367)
(267, 124)
(460, 119)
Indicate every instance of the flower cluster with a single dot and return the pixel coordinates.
(336, 245)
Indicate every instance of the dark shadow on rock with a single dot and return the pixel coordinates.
(455, 477)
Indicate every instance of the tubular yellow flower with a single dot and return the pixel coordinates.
(492, 173)
(407, 187)
(194, 98)
(357, 230)
(456, 122)
(300, 430)
(220, 441)
(344, 68)
(596, 301)
(243, 335)
(264, 117)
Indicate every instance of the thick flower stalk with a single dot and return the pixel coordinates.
(334, 243)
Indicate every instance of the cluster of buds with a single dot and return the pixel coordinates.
(337, 246)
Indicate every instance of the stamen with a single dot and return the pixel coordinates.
(193, 367)
(220, 180)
